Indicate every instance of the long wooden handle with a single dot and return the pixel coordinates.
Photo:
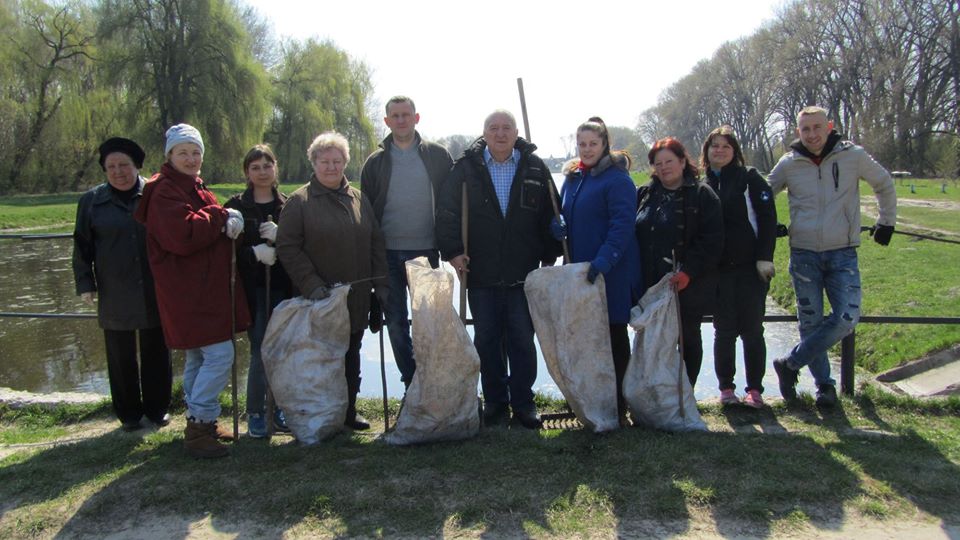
(465, 236)
(552, 188)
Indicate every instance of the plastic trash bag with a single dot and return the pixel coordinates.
(656, 386)
(441, 402)
(303, 355)
(570, 318)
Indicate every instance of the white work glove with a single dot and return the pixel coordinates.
(88, 297)
(268, 231)
(265, 254)
(234, 223)
(766, 270)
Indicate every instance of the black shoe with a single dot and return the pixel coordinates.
(788, 379)
(528, 419)
(357, 423)
(131, 425)
(160, 421)
(826, 395)
(495, 414)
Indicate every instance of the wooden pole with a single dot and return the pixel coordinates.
(550, 186)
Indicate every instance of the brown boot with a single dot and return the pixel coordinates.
(199, 440)
(222, 433)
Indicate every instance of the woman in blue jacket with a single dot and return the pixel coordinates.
(599, 199)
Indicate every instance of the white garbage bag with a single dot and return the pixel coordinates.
(570, 318)
(303, 355)
(656, 386)
(441, 402)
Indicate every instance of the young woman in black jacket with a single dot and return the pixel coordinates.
(260, 205)
(745, 267)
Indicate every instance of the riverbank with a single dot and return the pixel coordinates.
(878, 466)
(908, 278)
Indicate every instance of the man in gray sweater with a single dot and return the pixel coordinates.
(401, 179)
(822, 176)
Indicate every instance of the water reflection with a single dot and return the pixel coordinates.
(57, 355)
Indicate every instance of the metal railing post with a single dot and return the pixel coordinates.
(847, 349)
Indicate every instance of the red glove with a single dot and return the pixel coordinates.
(680, 280)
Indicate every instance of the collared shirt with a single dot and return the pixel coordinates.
(502, 175)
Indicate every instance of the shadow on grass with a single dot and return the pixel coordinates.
(504, 482)
(905, 465)
(61, 471)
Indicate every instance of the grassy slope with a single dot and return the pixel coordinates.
(842, 465)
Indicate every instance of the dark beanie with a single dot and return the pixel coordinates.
(119, 144)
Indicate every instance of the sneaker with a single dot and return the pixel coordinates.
(826, 395)
(728, 397)
(753, 399)
(788, 379)
(256, 426)
(280, 422)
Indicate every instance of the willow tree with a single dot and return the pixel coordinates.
(316, 88)
(49, 48)
(187, 61)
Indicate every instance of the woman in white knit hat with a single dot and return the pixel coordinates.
(189, 242)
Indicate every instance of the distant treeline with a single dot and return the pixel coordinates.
(888, 71)
(75, 73)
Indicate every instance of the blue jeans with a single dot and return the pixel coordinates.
(837, 273)
(205, 375)
(503, 335)
(256, 377)
(395, 312)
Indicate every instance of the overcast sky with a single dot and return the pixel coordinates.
(460, 60)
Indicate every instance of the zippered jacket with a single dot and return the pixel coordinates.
(375, 175)
(749, 215)
(190, 260)
(110, 257)
(599, 208)
(503, 249)
(825, 199)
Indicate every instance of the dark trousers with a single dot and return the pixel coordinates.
(620, 345)
(741, 306)
(395, 312)
(697, 300)
(352, 372)
(503, 335)
(256, 375)
(143, 390)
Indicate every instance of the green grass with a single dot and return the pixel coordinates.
(877, 457)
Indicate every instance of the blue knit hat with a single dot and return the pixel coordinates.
(183, 133)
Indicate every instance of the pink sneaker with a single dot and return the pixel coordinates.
(753, 399)
(728, 397)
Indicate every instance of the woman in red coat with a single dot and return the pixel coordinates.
(189, 243)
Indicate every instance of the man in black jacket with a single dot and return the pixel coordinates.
(401, 180)
(508, 221)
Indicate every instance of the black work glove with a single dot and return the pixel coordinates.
(376, 314)
(881, 234)
(320, 293)
(782, 230)
(592, 274)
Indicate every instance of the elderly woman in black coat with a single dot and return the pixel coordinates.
(109, 258)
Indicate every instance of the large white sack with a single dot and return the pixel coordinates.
(303, 355)
(656, 386)
(441, 402)
(570, 318)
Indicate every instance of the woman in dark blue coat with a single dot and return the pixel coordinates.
(598, 199)
(109, 258)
